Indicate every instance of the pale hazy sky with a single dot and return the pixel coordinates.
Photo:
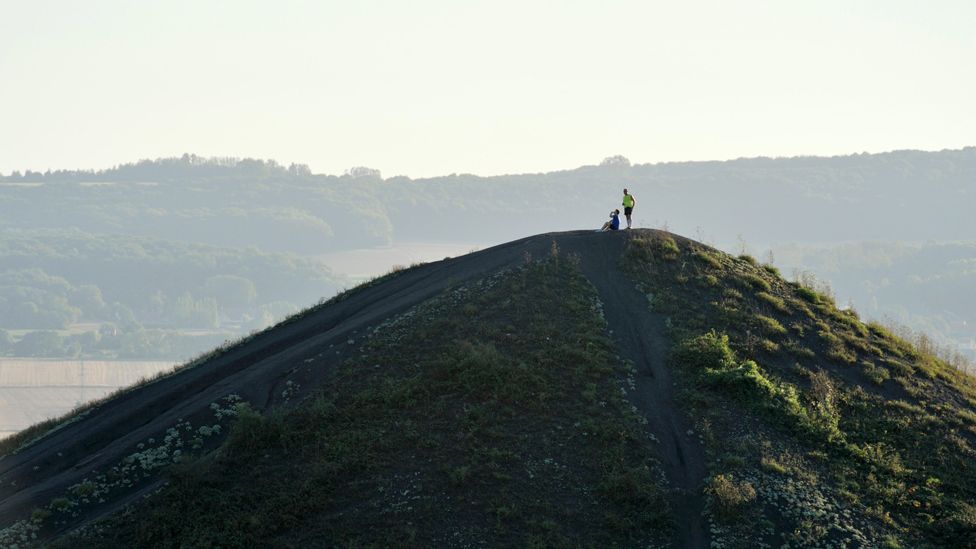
(427, 87)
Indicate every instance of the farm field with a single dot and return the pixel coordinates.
(32, 390)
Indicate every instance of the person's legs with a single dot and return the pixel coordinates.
(627, 212)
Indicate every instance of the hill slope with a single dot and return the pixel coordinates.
(572, 388)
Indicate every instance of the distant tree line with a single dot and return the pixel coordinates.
(188, 165)
(905, 195)
(135, 345)
(135, 295)
(208, 243)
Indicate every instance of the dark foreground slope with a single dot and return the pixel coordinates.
(566, 389)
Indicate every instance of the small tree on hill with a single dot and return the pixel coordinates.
(619, 161)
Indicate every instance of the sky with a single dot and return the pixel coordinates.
(431, 87)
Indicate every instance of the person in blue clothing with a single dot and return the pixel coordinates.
(614, 223)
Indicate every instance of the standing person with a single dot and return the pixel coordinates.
(628, 204)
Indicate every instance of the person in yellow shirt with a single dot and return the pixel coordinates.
(629, 202)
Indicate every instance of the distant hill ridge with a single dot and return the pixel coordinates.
(579, 388)
(165, 168)
(902, 195)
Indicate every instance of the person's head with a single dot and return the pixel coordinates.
(617, 212)
(625, 191)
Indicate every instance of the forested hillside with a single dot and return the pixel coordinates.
(223, 245)
(65, 293)
(906, 195)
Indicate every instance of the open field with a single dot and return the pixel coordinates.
(32, 390)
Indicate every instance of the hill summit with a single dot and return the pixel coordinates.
(631, 388)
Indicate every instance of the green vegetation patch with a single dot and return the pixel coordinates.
(809, 295)
(877, 374)
(847, 433)
(731, 498)
(756, 282)
(836, 348)
(656, 246)
(776, 302)
(708, 258)
(711, 356)
(769, 325)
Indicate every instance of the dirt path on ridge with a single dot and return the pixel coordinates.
(639, 335)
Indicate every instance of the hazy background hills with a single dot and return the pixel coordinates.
(165, 258)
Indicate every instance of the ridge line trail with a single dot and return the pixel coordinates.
(640, 336)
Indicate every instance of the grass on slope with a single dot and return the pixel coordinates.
(491, 414)
(820, 429)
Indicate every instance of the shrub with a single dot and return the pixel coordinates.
(815, 289)
(776, 302)
(252, 431)
(769, 346)
(824, 416)
(730, 497)
(877, 374)
(749, 259)
(732, 293)
(60, 504)
(900, 368)
(891, 542)
(667, 247)
(797, 349)
(757, 282)
(639, 248)
(841, 353)
(771, 269)
(880, 330)
(774, 466)
(84, 489)
(855, 342)
(808, 294)
(769, 325)
(836, 349)
(849, 318)
(707, 258)
(747, 380)
(802, 307)
(707, 351)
